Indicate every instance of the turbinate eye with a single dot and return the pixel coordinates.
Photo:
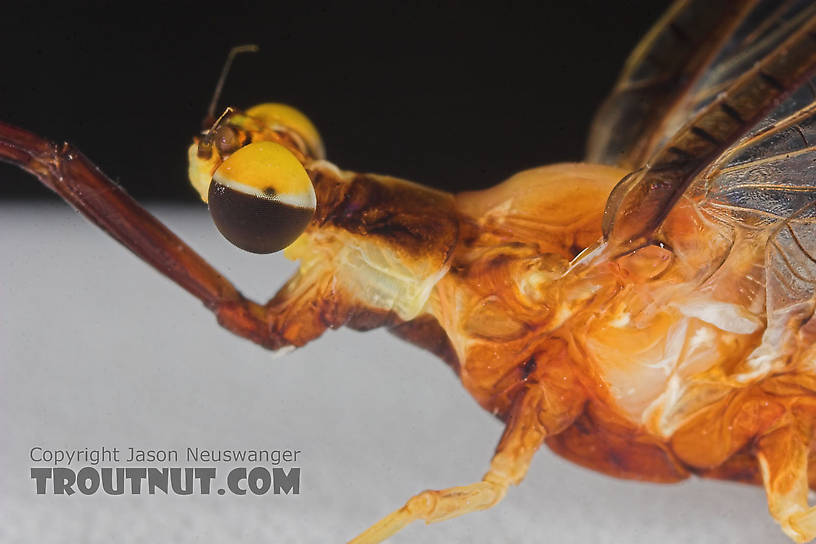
(274, 113)
(261, 198)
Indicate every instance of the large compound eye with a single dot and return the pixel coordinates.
(281, 114)
(261, 198)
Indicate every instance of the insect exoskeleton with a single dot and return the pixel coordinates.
(249, 168)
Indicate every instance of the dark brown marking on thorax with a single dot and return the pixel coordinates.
(414, 219)
(528, 368)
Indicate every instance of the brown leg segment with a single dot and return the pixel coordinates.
(527, 427)
(71, 175)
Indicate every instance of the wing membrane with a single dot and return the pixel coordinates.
(766, 185)
(737, 126)
(693, 53)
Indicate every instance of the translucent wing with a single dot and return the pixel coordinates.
(694, 52)
(737, 182)
(748, 114)
(763, 192)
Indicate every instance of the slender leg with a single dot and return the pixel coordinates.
(527, 427)
(783, 461)
(71, 175)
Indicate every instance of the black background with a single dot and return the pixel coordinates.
(448, 95)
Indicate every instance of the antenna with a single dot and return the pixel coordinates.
(251, 48)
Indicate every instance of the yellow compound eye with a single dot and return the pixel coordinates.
(261, 198)
(281, 114)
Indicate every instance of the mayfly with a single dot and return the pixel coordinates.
(648, 313)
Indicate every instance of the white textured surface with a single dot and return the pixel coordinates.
(95, 348)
